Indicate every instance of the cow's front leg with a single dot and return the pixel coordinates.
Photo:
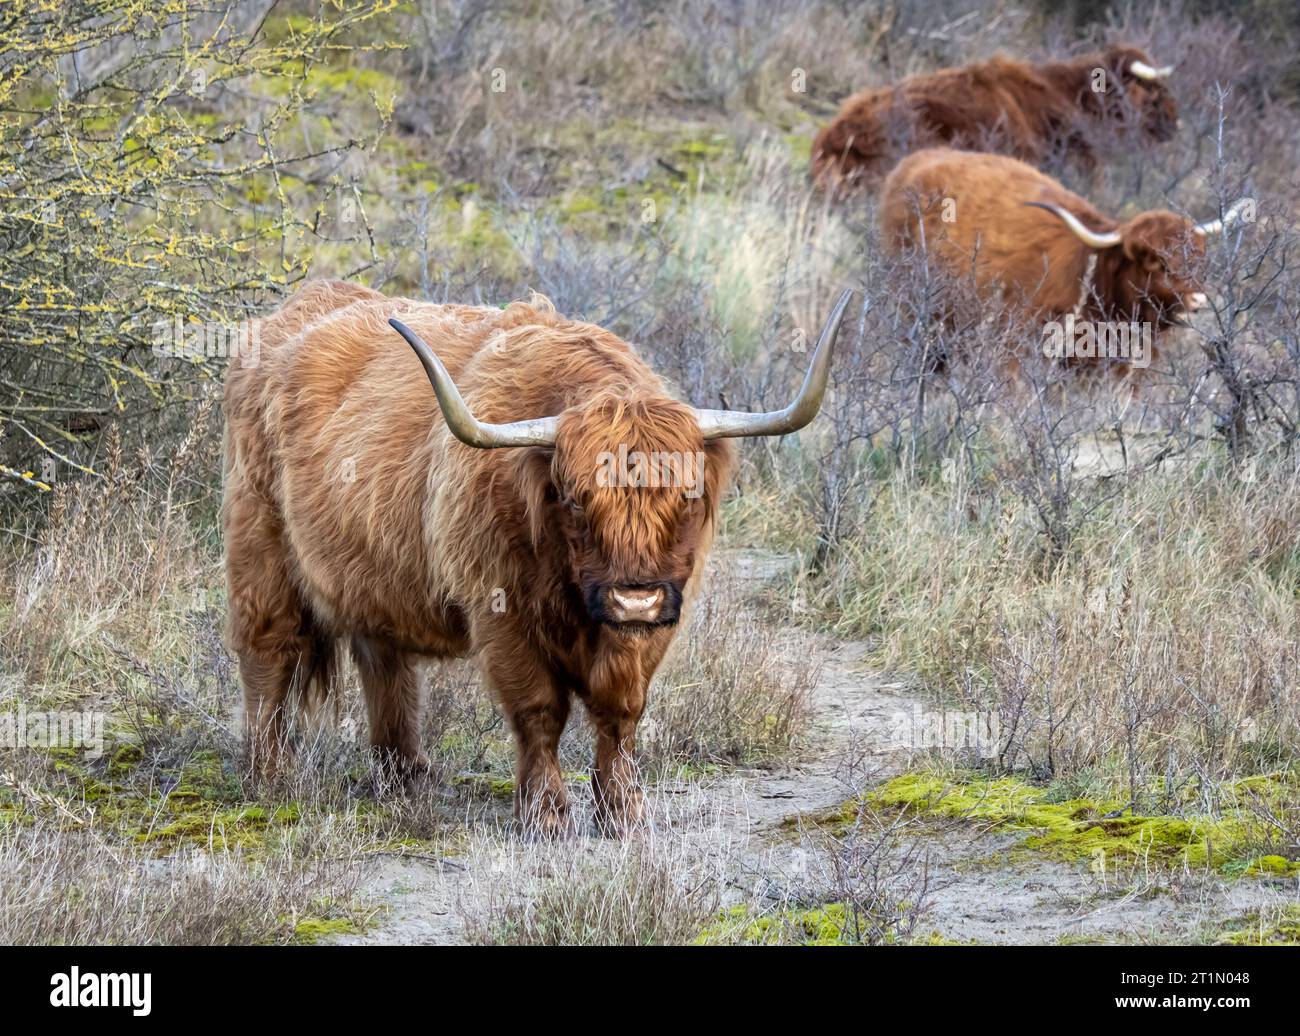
(615, 710)
(620, 804)
(536, 707)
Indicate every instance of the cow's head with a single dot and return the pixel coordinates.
(630, 482)
(1148, 269)
(1145, 91)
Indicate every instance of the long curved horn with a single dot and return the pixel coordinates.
(1089, 237)
(1144, 71)
(728, 424)
(539, 431)
(1230, 217)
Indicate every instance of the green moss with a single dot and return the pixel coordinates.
(286, 814)
(312, 929)
(504, 787)
(364, 81)
(280, 28)
(688, 770)
(191, 821)
(703, 150)
(499, 787)
(1271, 928)
(1099, 831)
(200, 805)
(124, 759)
(580, 204)
(821, 926)
(831, 924)
(1269, 866)
(672, 165)
(933, 938)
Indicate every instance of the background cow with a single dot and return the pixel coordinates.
(1040, 247)
(1002, 104)
(360, 506)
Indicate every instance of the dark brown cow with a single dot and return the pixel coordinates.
(496, 516)
(1044, 250)
(1001, 105)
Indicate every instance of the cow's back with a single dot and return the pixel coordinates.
(999, 104)
(339, 432)
(969, 210)
(328, 436)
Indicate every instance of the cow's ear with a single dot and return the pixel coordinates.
(540, 460)
(533, 475)
(719, 463)
(1142, 254)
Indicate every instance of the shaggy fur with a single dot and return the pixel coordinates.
(1027, 255)
(352, 515)
(1003, 105)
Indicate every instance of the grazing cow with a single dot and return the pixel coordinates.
(544, 508)
(1003, 105)
(1042, 248)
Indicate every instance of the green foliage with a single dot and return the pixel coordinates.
(144, 152)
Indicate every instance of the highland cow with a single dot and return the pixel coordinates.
(1002, 105)
(477, 518)
(1043, 250)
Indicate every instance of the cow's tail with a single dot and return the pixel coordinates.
(318, 669)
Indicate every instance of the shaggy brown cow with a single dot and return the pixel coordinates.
(1002, 105)
(1044, 249)
(361, 507)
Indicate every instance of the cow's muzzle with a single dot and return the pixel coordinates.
(640, 606)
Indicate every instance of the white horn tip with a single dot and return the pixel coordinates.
(1144, 71)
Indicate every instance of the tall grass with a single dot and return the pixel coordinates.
(1168, 637)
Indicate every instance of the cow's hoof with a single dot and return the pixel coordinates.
(548, 826)
(271, 763)
(622, 815)
(400, 768)
(545, 816)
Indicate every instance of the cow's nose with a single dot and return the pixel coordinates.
(636, 604)
(1195, 300)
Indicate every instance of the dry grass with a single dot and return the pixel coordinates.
(70, 883)
(734, 690)
(1164, 643)
(690, 877)
(661, 887)
(866, 881)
